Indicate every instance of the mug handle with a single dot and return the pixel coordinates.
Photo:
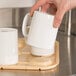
(26, 21)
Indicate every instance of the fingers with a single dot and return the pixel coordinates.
(45, 7)
(53, 9)
(36, 6)
(58, 17)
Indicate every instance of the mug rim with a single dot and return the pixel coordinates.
(44, 13)
(7, 29)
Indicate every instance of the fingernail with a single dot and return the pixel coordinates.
(56, 25)
(30, 14)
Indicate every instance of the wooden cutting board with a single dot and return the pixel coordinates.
(29, 62)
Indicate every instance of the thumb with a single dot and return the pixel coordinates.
(58, 17)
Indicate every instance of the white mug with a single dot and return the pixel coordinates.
(42, 35)
(8, 46)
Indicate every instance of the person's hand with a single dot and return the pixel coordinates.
(58, 8)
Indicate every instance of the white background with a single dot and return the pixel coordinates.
(16, 3)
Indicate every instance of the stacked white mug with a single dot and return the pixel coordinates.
(42, 35)
(8, 46)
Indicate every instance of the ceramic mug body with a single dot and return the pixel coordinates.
(42, 34)
(8, 46)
